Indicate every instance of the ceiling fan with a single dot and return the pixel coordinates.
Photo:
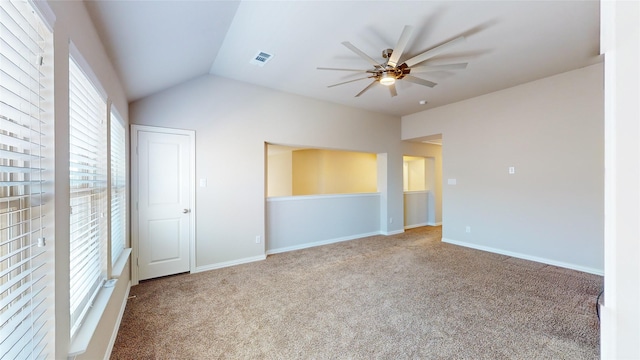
(387, 73)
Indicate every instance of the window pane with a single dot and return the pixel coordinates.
(23, 277)
(118, 188)
(88, 195)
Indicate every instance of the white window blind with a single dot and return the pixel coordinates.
(88, 192)
(118, 190)
(23, 289)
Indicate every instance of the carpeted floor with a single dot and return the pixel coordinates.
(406, 296)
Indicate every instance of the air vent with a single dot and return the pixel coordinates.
(261, 58)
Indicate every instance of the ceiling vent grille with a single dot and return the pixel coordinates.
(261, 58)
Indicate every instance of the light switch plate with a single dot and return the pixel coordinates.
(452, 181)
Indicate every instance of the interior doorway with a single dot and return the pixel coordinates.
(163, 226)
(419, 180)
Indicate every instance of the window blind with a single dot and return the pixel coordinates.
(118, 190)
(88, 192)
(23, 289)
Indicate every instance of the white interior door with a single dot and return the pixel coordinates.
(164, 181)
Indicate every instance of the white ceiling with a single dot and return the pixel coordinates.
(157, 44)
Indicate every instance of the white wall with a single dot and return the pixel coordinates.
(73, 24)
(232, 121)
(620, 42)
(303, 221)
(416, 209)
(551, 130)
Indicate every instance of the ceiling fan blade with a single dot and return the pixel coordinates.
(433, 52)
(399, 49)
(354, 70)
(392, 90)
(350, 81)
(419, 81)
(367, 88)
(428, 68)
(361, 54)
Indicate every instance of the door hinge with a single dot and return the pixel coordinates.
(137, 262)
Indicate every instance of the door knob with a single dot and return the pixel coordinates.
(186, 211)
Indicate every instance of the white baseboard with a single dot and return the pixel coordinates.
(526, 257)
(114, 334)
(394, 232)
(407, 227)
(229, 263)
(319, 243)
(434, 224)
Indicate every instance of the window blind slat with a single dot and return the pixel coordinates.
(19, 169)
(22, 223)
(18, 89)
(25, 288)
(16, 155)
(18, 142)
(20, 303)
(20, 101)
(25, 24)
(13, 253)
(21, 339)
(35, 347)
(30, 77)
(13, 114)
(21, 124)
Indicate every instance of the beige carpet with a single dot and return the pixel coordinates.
(407, 296)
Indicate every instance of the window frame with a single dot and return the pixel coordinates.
(26, 123)
(117, 258)
(88, 184)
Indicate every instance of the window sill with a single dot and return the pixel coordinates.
(118, 267)
(80, 341)
(82, 338)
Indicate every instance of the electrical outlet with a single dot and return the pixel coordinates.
(390, 220)
(512, 170)
(258, 239)
(468, 229)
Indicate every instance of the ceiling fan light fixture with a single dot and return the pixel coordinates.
(387, 80)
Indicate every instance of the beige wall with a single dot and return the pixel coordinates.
(230, 138)
(317, 171)
(551, 130)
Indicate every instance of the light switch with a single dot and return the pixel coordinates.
(203, 182)
(452, 181)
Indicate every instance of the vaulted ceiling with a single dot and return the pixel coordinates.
(155, 45)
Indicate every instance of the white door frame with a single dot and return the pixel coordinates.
(135, 194)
